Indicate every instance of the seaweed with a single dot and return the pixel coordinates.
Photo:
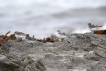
(100, 32)
(6, 37)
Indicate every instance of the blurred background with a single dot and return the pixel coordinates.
(42, 17)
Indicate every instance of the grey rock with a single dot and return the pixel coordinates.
(83, 52)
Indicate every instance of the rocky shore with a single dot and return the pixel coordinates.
(84, 52)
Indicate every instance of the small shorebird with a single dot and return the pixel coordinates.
(93, 27)
(20, 35)
(60, 34)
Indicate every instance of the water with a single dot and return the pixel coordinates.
(42, 17)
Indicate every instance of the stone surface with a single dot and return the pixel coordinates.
(83, 52)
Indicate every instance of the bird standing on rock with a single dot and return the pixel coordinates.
(93, 27)
(60, 34)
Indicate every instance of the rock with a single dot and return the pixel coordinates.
(6, 64)
(83, 52)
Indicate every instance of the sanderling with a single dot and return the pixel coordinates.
(60, 34)
(20, 35)
(93, 27)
